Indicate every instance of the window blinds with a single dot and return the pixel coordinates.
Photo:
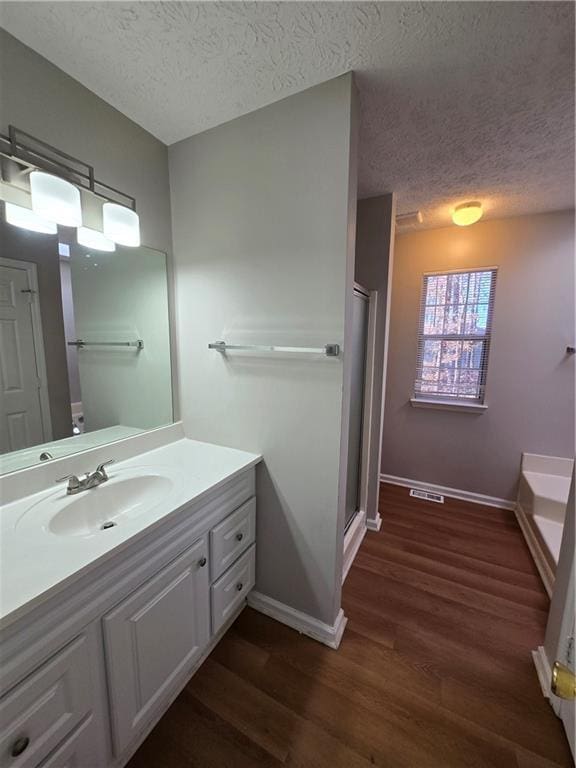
(454, 335)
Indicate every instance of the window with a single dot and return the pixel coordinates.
(454, 336)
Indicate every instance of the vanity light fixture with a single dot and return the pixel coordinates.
(91, 238)
(121, 224)
(467, 213)
(56, 180)
(55, 199)
(24, 218)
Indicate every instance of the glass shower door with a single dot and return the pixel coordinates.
(359, 336)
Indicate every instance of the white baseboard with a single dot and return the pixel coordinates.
(454, 493)
(544, 672)
(546, 573)
(352, 541)
(542, 669)
(327, 634)
(374, 524)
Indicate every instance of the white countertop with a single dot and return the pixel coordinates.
(35, 563)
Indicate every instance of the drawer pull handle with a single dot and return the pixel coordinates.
(239, 536)
(19, 746)
(239, 586)
(202, 562)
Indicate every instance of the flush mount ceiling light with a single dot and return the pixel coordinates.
(91, 238)
(27, 219)
(55, 199)
(121, 224)
(467, 213)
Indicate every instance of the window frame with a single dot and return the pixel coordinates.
(441, 399)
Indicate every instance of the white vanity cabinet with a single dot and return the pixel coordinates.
(89, 672)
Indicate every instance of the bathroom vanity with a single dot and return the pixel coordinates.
(111, 599)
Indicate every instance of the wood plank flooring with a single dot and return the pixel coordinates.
(434, 670)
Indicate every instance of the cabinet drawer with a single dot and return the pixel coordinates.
(45, 707)
(232, 588)
(231, 537)
(79, 750)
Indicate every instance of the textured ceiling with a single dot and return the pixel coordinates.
(459, 100)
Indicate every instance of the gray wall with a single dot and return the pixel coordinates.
(42, 250)
(530, 384)
(263, 224)
(374, 256)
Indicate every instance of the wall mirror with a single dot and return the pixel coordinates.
(84, 345)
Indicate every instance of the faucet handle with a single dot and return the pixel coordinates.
(67, 477)
(73, 482)
(100, 468)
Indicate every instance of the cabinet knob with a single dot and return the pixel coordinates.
(19, 746)
(239, 536)
(239, 586)
(202, 562)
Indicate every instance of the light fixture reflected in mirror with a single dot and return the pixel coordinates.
(91, 238)
(121, 224)
(467, 213)
(27, 219)
(55, 199)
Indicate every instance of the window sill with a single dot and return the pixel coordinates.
(447, 405)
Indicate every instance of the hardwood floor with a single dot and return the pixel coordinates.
(434, 670)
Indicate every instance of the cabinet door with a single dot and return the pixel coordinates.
(153, 640)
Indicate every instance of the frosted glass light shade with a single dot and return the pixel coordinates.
(27, 219)
(55, 199)
(91, 238)
(467, 213)
(121, 224)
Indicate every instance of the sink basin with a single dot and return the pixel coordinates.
(101, 508)
(98, 510)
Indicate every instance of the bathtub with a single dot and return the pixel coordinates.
(541, 508)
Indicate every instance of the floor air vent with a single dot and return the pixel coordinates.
(427, 496)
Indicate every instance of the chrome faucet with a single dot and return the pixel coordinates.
(92, 479)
